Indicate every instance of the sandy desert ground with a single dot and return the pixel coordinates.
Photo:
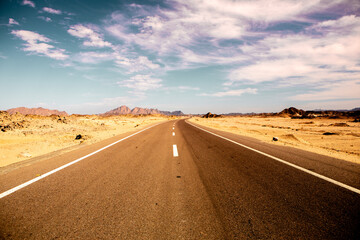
(24, 137)
(307, 134)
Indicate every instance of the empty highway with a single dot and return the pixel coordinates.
(175, 180)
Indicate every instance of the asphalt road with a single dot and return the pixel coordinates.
(214, 189)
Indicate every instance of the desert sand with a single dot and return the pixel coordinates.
(26, 136)
(306, 134)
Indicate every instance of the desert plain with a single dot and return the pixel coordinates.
(23, 137)
(338, 138)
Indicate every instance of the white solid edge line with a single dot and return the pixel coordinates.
(12, 190)
(175, 151)
(285, 162)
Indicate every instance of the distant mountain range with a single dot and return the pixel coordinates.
(123, 110)
(339, 110)
(36, 111)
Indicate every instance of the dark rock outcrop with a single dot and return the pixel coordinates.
(292, 111)
(211, 115)
(331, 114)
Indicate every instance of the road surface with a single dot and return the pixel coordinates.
(176, 181)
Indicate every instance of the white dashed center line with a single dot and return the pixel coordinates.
(173, 134)
(175, 151)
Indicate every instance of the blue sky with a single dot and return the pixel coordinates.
(87, 56)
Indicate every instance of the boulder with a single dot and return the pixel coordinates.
(78, 137)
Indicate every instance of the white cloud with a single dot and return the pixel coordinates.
(344, 23)
(232, 93)
(338, 90)
(93, 39)
(38, 44)
(46, 19)
(329, 55)
(180, 89)
(29, 36)
(13, 22)
(183, 88)
(201, 32)
(257, 10)
(142, 63)
(187, 23)
(141, 83)
(52, 11)
(119, 56)
(93, 57)
(270, 71)
(2, 56)
(29, 3)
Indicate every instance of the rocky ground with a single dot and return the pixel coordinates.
(339, 137)
(27, 136)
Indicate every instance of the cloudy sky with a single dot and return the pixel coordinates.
(87, 56)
